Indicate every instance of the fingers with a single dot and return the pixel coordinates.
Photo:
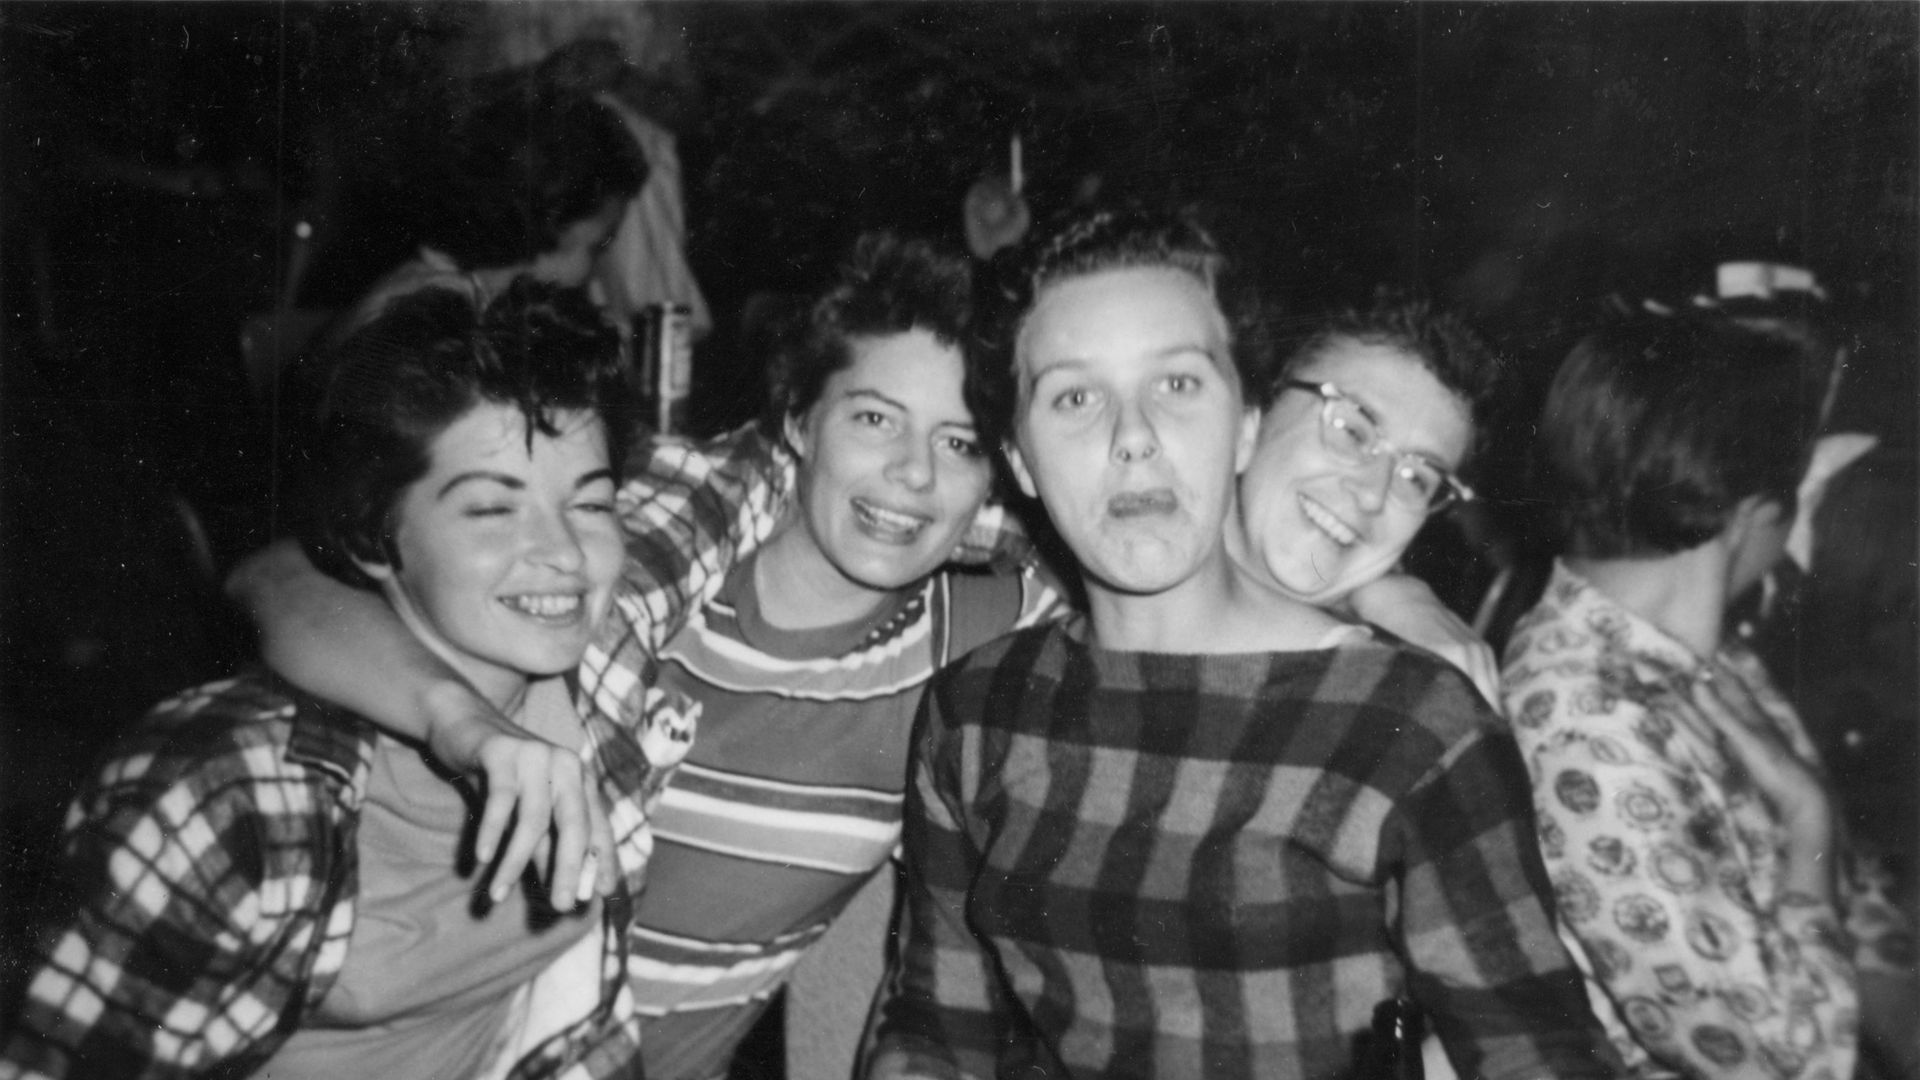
(529, 827)
(570, 839)
(606, 865)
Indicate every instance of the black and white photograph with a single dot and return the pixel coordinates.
(959, 539)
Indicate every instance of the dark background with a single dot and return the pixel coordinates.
(1520, 161)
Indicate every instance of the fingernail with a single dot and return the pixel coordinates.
(589, 871)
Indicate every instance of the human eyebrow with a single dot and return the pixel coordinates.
(481, 476)
(864, 394)
(593, 477)
(1067, 365)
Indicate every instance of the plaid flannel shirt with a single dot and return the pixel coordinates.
(212, 873)
(690, 511)
(1130, 864)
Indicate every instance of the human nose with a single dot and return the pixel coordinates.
(1371, 480)
(1133, 436)
(912, 465)
(551, 542)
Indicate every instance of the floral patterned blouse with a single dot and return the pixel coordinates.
(1665, 859)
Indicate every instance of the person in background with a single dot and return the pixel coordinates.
(1206, 828)
(258, 881)
(533, 182)
(1696, 854)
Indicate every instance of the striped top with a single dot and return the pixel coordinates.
(1141, 864)
(789, 799)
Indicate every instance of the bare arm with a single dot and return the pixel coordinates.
(346, 645)
(1405, 605)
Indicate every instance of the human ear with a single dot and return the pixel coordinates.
(381, 571)
(1248, 438)
(1021, 476)
(794, 429)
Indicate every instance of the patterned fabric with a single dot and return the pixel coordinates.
(690, 511)
(1665, 858)
(212, 871)
(1126, 864)
(790, 798)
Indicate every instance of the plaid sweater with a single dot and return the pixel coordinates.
(1125, 864)
(212, 877)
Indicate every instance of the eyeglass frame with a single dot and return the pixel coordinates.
(1452, 491)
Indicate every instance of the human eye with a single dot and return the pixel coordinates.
(1353, 430)
(965, 446)
(1420, 479)
(487, 508)
(1072, 399)
(1184, 383)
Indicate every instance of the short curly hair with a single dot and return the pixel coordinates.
(1089, 241)
(1452, 351)
(889, 284)
(403, 379)
(1656, 427)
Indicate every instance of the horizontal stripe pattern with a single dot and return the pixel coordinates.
(789, 799)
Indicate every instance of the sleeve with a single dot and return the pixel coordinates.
(688, 512)
(941, 1016)
(1476, 916)
(165, 965)
(1652, 888)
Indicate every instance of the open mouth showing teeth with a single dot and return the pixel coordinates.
(545, 605)
(1142, 503)
(889, 523)
(1332, 526)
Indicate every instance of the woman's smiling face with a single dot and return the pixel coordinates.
(506, 551)
(891, 471)
(1321, 526)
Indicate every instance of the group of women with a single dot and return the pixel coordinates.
(563, 754)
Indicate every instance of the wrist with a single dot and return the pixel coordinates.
(457, 722)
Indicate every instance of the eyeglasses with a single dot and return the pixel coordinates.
(1347, 430)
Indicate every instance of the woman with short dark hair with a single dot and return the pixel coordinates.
(258, 882)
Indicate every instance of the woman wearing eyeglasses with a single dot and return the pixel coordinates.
(1365, 426)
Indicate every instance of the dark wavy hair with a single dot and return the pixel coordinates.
(1656, 427)
(525, 165)
(1443, 343)
(1084, 242)
(889, 284)
(403, 379)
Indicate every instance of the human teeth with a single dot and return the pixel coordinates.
(546, 606)
(1329, 524)
(890, 519)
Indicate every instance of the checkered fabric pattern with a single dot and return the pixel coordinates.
(211, 874)
(1125, 864)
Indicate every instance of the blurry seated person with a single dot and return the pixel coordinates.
(1697, 856)
(1205, 828)
(258, 881)
(534, 182)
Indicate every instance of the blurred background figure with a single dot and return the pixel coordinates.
(1700, 862)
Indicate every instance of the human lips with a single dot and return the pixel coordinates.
(551, 608)
(1328, 522)
(887, 524)
(1133, 504)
